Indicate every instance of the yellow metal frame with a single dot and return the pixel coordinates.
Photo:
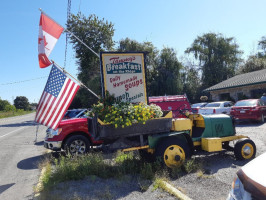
(135, 148)
(221, 140)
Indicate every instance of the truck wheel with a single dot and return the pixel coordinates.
(245, 149)
(172, 151)
(77, 145)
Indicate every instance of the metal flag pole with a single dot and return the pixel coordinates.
(76, 79)
(71, 34)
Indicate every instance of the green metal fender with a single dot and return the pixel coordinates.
(182, 135)
(218, 125)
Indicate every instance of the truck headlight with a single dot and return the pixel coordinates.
(50, 133)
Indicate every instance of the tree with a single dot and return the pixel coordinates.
(218, 57)
(21, 102)
(151, 56)
(253, 63)
(168, 79)
(191, 83)
(262, 47)
(97, 34)
(3, 104)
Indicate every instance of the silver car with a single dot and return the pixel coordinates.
(250, 182)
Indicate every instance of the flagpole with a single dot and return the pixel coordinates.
(71, 34)
(76, 79)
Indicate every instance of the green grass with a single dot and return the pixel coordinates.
(4, 114)
(67, 168)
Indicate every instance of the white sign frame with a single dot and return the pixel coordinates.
(124, 75)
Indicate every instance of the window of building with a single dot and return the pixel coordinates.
(257, 93)
(225, 97)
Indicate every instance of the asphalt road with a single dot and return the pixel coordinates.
(19, 155)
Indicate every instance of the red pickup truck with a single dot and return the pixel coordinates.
(71, 135)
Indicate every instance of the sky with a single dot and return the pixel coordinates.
(169, 23)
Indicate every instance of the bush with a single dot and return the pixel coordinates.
(10, 108)
(122, 114)
(203, 98)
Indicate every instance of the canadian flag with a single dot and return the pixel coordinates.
(49, 32)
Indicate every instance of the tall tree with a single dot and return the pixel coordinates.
(151, 56)
(22, 102)
(262, 47)
(168, 79)
(3, 104)
(253, 63)
(218, 57)
(97, 34)
(191, 83)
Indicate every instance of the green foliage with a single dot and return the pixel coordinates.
(262, 47)
(218, 57)
(192, 166)
(21, 102)
(168, 79)
(97, 34)
(191, 83)
(203, 98)
(5, 114)
(9, 108)
(122, 114)
(3, 104)
(253, 63)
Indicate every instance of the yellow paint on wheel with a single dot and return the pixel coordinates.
(247, 151)
(174, 156)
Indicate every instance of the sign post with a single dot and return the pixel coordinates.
(123, 74)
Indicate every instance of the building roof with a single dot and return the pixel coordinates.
(250, 78)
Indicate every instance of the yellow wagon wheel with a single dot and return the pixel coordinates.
(173, 151)
(245, 149)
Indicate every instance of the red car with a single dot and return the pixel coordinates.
(249, 109)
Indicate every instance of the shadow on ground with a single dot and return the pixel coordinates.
(248, 124)
(26, 123)
(40, 143)
(5, 187)
(213, 162)
(30, 163)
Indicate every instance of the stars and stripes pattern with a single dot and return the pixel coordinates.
(56, 98)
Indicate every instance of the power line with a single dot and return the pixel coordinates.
(11, 83)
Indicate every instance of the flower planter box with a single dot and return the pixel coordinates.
(109, 132)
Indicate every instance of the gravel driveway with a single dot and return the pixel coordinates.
(221, 167)
(214, 184)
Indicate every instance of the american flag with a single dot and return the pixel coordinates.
(56, 98)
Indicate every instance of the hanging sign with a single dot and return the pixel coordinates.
(123, 74)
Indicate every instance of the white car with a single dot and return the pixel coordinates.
(250, 183)
(219, 107)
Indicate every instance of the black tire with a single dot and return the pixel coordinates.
(245, 149)
(172, 151)
(77, 145)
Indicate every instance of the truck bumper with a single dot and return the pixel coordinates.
(55, 146)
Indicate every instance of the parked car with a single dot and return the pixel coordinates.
(250, 182)
(75, 113)
(218, 107)
(196, 106)
(249, 109)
